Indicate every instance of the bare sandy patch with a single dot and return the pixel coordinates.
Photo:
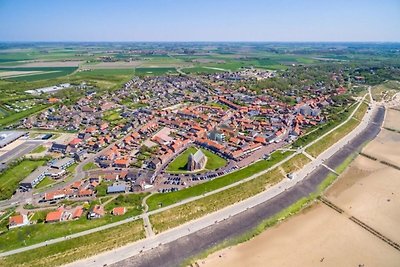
(8, 74)
(113, 65)
(370, 191)
(318, 236)
(65, 138)
(392, 119)
(72, 63)
(386, 147)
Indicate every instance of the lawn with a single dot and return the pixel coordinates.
(45, 182)
(320, 130)
(129, 201)
(179, 165)
(39, 149)
(89, 166)
(40, 232)
(10, 178)
(166, 199)
(176, 216)
(78, 248)
(326, 142)
(112, 116)
(361, 111)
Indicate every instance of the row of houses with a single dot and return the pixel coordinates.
(56, 170)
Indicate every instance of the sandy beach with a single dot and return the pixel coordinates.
(386, 147)
(370, 191)
(320, 236)
(392, 120)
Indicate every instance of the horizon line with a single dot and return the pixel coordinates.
(188, 41)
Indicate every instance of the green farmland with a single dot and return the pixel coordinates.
(37, 73)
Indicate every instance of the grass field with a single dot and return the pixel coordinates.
(294, 164)
(179, 165)
(158, 200)
(40, 232)
(141, 71)
(39, 149)
(326, 142)
(313, 134)
(77, 248)
(130, 201)
(45, 182)
(202, 70)
(42, 73)
(89, 166)
(361, 111)
(339, 133)
(176, 216)
(10, 178)
(14, 117)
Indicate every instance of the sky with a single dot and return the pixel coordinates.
(200, 20)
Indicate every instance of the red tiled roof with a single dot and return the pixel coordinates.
(77, 212)
(15, 220)
(54, 216)
(119, 211)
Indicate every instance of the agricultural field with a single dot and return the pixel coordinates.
(150, 71)
(34, 73)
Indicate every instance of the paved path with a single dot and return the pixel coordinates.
(147, 224)
(270, 192)
(136, 248)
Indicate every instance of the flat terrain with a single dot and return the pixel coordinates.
(367, 190)
(392, 120)
(385, 147)
(305, 240)
(370, 191)
(10, 179)
(180, 163)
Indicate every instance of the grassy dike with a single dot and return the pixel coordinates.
(162, 200)
(77, 248)
(176, 216)
(295, 208)
(326, 142)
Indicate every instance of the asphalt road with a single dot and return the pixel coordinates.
(202, 223)
(303, 182)
(17, 152)
(175, 252)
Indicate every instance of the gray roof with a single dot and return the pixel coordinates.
(198, 155)
(7, 137)
(116, 188)
(35, 174)
(59, 163)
